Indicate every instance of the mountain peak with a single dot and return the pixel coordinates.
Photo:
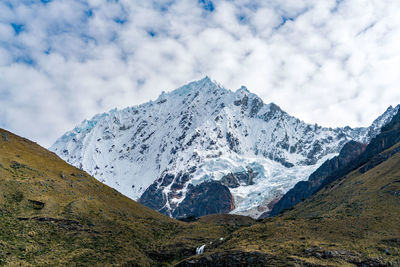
(206, 78)
(199, 132)
(383, 120)
(243, 90)
(204, 82)
(207, 82)
(203, 85)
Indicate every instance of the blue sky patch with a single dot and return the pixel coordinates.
(242, 18)
(284, 20)
(25, 59)
(120, 20)
(89, 13)
(152, 33)
(207, 5)
(17, 28)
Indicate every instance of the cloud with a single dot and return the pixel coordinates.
(330, 62)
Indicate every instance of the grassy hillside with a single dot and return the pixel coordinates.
(354, 221)
(54, 214)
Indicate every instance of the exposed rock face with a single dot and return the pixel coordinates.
(378, 159)
(350, 151)
(167, 187)
(3, 137)
(234, 180)
(153, 198)
(344, 255)
(230, 181)
(209, 197)
(304, 189)
(389, 136)
(270, 206)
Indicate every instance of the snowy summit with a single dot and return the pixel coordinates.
(204, 149)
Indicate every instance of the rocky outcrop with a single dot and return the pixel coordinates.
(209, 197)
(234, 180)
(153, 198)
(305, 189)
(230, 181)
(378, 159)
(344, 255)
(3, 137)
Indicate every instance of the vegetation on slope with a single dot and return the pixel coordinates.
(54, 214)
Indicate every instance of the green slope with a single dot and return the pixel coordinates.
(54, 214)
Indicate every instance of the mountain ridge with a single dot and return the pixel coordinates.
(201, 132)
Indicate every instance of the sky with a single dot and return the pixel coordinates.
(331, 62)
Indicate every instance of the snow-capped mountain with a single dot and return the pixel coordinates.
(203, 149)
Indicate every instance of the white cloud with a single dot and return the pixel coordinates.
(330, 62)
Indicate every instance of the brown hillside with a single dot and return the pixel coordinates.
(54, 214)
